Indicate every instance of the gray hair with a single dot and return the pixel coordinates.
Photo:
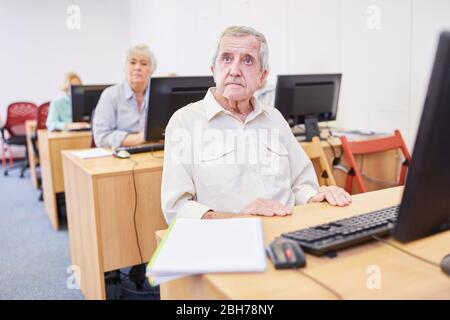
(144, 50)
(240, 31)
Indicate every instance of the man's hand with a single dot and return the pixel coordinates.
(333, 195)
(269, 208)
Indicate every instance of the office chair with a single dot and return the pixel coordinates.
(42, 113)
(315, 152)
(372, 146)
(17, 114)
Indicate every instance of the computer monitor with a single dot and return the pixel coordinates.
(167, 95)
(84, 101)
(308, 99)
(425, 206)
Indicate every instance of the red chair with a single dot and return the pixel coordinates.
(41, 119)
(17, 114)
(42, 113)
(372, 146)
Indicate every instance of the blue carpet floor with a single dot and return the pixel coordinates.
(34, 258)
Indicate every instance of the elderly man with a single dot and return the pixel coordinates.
(230, 155)
(120, 113)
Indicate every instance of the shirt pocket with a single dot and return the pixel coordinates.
(218, 168)
(275, 162)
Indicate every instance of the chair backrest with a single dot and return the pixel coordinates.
(315, 152)
(42, 113)
(372, 146)
(17, 114)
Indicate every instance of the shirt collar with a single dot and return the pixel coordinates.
(129, 92)
(212, 107)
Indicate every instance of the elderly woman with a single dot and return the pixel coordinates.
(119, 118)
(60, 111)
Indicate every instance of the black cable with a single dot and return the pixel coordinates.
(323, 285)
(332, 147)
(336, 159)
(135, 209)
(389, 243)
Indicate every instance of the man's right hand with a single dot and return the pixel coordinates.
(268, 208)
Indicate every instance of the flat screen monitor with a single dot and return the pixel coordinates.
(167, 95)
(308, 99)
(425, 206)
(84, 101)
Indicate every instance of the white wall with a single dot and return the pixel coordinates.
(37, 47)
(385, 70)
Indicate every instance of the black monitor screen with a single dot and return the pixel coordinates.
(84, 101)
(425, 207)
(167, 95)
(313, 98)
(312, 95)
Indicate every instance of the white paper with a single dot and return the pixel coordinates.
(209, 246)
(92, 153)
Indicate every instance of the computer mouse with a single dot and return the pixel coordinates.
(286, 253)
(445, 264)
(122, 154)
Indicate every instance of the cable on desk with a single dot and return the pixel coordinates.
(135, 209)
(336, 159)
(323, 285)
(389, 243)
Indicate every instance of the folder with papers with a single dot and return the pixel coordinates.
(193, 246)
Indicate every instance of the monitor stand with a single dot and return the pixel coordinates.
(311, 127)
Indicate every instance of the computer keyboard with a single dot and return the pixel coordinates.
(79, 129)
(340, 234)
(142, 148)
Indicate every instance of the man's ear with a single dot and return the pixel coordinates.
(263, 77)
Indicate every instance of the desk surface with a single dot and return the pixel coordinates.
(402, 276)
(110, 165)
(51, 135)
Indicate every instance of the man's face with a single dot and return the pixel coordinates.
(237, 68)
(138, 69)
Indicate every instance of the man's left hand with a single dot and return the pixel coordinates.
(333, 195)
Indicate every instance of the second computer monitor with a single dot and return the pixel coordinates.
(167, 95)
(308, 99)
(84, 101)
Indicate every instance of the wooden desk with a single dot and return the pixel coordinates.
(402, 276)
(100, 200)
(383, 166)
(30, 130)
(50, 146)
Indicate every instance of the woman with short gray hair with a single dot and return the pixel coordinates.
(120, 113)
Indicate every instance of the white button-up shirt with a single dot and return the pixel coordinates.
(214, 161)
